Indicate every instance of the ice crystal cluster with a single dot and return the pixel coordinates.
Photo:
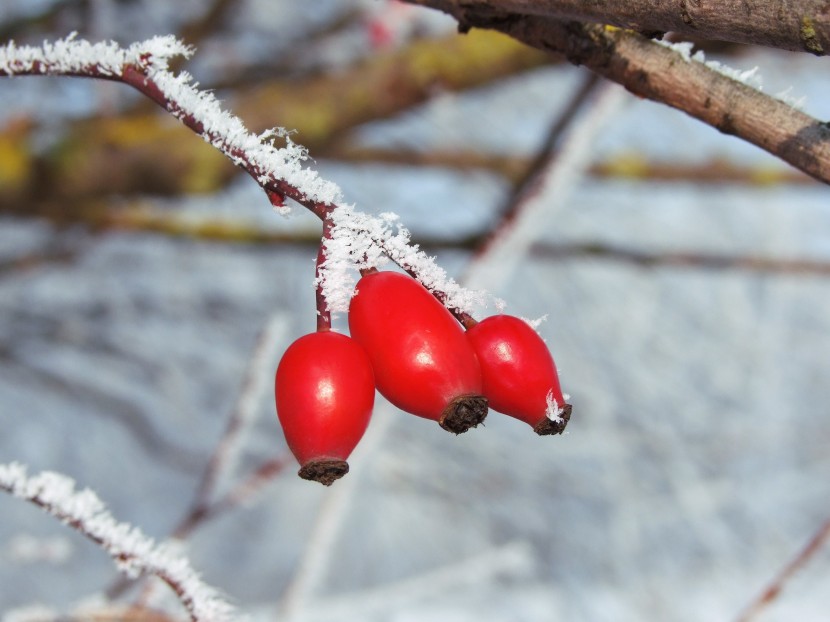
(363, 241)
(749, 77)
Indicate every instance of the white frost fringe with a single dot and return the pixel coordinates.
(225, 131)
(133, 552)
(358, 240)
(749, 77)
(363, 241)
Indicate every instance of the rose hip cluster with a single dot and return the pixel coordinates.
(406, 344)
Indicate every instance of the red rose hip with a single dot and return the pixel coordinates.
(518, 373)
(325, 391)
(422, 361)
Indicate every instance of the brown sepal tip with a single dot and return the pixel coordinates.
(554, 426)
(324, 470)
(463, 412)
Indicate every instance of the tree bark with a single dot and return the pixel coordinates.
(796, 25)
(659, 73)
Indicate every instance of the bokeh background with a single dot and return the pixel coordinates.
(684, 276)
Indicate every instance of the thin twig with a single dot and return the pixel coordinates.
(204, 507)
(528, 185)
(229, 230)
(258, 376)
(133, 552)
(774, 588)
(239, 494)
(242, 492)
(546, 153)
(323, 311)
(515, 236)
(310, 570)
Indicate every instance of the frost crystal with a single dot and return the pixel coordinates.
(361, 241)
(535, 324)
(749, 77)
(133, 552)
(77, 56)
(552, 409)
(684, 48)
(791, 100)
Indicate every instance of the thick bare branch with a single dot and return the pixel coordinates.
(796, 25)
(664, 75)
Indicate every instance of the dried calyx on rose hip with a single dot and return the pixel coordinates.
(325, 391)
(423, 362)
(518, 372)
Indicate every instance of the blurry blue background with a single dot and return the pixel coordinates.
(695, 464)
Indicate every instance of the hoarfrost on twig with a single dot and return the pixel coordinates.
(553, 410)
(133, 552)
(749, 77)
(77, 57)
(357, 241)
(362, 241)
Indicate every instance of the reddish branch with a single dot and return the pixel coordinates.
(658, 73)
(323, 312)
(139, 78)
(796, 25)
(772, 590)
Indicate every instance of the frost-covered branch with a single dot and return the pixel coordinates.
(670, 76)
(796, 25)
(355, 237)
(144, 66)
(133, 552)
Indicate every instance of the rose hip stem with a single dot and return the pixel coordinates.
(323, 313)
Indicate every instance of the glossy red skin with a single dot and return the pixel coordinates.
(517, 368)
(421, 357)
(325, 392)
